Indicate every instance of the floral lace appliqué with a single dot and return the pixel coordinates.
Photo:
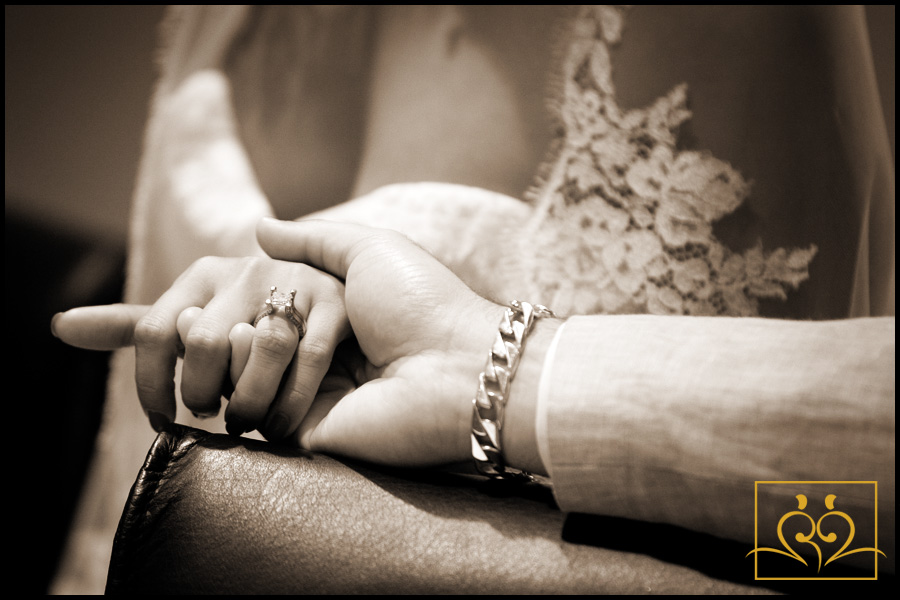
(644, 209)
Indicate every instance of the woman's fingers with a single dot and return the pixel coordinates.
(107, 327)
(156, 344)
(326, 327)
(241, 338)
(184, 323)
(272, 348)
(204, 318)
(207, 351)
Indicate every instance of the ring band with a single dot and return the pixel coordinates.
(286, 301)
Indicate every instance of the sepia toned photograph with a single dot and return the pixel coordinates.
(453, 299)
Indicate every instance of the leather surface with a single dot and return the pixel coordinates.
(210, 513)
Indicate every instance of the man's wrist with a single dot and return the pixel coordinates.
(519, 436)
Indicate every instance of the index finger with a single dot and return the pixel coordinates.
(106, 327)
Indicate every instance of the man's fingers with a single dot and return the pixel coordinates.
(106, 327)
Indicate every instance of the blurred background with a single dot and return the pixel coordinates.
(78, 86)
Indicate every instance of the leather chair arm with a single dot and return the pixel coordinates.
(210, 513)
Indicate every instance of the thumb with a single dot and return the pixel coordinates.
(368, 423)
(105, 327)
(328, 245)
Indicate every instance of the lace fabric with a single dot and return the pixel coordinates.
(643, 209)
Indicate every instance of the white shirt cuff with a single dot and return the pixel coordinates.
(543, 401)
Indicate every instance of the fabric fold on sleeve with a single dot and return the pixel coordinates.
(673, 419)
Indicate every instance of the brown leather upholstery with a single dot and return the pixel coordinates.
(215, 514)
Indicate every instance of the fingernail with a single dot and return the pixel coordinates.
(236, 427)
(207, 415)
(53, 324)
(277, 427)
(158, 421)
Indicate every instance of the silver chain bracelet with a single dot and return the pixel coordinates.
(490, 400)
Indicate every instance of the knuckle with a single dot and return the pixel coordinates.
(246, 265)
(248, 268)
(204, 263)
(199, 266)
(151, 331)
(204, 342)
(314, 352)
(329, 287)
(206, 268)
(311, 363)
(274, 341)
(250, 262)
(335, 305)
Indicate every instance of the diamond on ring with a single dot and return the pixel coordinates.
(278, 300)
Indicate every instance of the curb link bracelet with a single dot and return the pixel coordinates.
(490, 400)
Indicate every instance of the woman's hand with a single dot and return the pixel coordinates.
(399, 393)
(424, 336)
(206, 317)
